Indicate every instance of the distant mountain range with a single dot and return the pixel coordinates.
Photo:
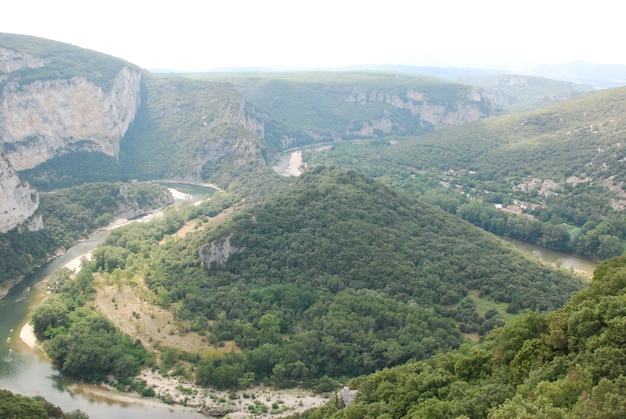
(598, 76)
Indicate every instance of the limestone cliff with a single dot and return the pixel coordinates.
(19, 200)
(217, 252)
(42, 117)
(47, 118)
(430, 113)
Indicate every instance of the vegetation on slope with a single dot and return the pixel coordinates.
(81, 342)
(568, 363)
(184, 129)
(188, 129)
(70, 215)
(62, 61)
(325, 106)
(16, 406)
(563, 164)
(335, 277)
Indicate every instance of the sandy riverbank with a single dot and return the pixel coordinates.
(27, 335)
(187, 396)
(291, 166)
(182, 395)
(179, 195)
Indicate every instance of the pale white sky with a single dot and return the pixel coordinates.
(212, 34)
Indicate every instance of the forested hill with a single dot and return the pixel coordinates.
(568, 363)
(345, 225)
(341, 275)
(565, 165)
(581, 137)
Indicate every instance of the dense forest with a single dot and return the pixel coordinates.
(566, 363)
(83, 343)
(333, 277)
(16, 406)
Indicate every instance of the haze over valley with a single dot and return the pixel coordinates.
(376, 259)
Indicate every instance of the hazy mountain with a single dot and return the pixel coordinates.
(597, 75)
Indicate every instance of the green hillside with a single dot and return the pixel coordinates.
(24, 407)
(184, 129)
(337, 276)
(189, 130)
(565, 163)
(326, 106)
(568, 363)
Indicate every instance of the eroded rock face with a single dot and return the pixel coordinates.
(218, 252)
(430, 113)
(47, 118)
(19, 201)
(11, 61)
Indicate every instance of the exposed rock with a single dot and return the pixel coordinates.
(47, 118)
(19, 201)
(246, 117)
(11, 60)
(347, 396)
(218, 252)
(34, 223)
(430, 114)
(218, 411)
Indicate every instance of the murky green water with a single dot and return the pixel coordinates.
(565, 260)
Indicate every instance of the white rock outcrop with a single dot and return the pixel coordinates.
(47, 118)
(19, 201)
(217, 252)
(11, 60)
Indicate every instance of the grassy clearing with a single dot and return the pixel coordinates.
(483, 305)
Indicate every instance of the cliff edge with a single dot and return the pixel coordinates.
(46, 113)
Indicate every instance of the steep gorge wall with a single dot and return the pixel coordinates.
(19, 201)
(430, 113)
(48, 117)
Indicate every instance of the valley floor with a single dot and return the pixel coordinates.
(129, 305)
(254, 402)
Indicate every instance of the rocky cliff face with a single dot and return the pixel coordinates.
(19, 200)
(430, 113)
(217, 252)
(48, 117)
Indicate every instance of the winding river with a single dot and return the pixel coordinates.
(27, 371)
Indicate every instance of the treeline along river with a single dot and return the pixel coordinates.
(27, 371)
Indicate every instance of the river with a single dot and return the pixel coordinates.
(29, 372)
(564, 260)
(289, 163)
